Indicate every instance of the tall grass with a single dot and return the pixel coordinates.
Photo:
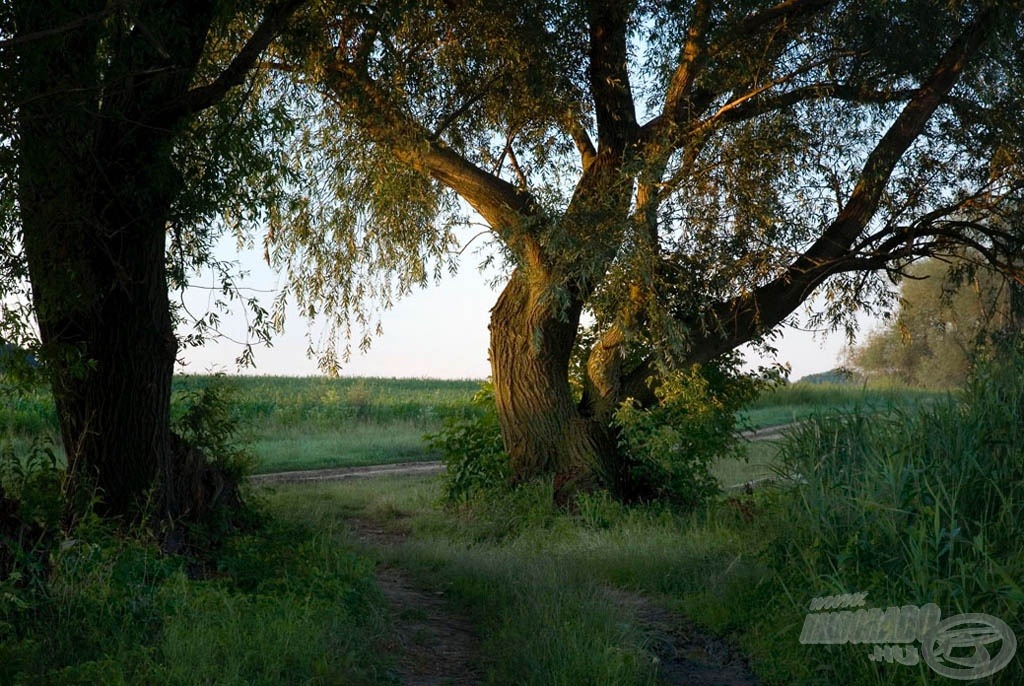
(793, 402)
(922, 506)
(288, 605)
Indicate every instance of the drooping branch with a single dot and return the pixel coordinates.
(507, 209)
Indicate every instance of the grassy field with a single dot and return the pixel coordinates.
(296, 423)
(797, 401)
(300, 423)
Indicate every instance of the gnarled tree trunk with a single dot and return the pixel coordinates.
(532, 338)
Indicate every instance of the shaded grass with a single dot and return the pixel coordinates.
(797, 401)
(285, 605)
(533, 578)
(761, 459)
(355, 445)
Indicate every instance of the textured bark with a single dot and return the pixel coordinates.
(96, 260)
(96, 190)
(542, 428)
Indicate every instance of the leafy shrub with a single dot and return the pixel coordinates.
(206, 419)
(208, 436)
(667, 450)
(472, 450)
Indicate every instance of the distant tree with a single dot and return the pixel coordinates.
(124, 123)
(945, 317)
(688, 173)
(840, 376)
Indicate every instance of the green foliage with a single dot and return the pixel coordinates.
(33, 479)
(206, 419)
(290, 605)
(669, 448)
(792, 402)
(472, 450)
(840, 376)
(948, 311)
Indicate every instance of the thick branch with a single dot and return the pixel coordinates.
(275, 19)
(609, 75)
(508, 210)
(677, 98)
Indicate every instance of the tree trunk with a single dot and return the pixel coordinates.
(96, 189)
(100, 291)
(543, 430)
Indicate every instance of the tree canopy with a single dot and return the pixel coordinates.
(688, 173)
(945, 320)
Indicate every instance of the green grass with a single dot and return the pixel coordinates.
(299, 423)
(315, 422)
(531, 578)
(352, 446)
(284, 605)
(761, 458)
(917, 497)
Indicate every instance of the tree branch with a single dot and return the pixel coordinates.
(609, 76)
(275, 19)
(508, 210)
(739, 319)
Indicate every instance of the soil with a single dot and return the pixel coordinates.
(686, 654)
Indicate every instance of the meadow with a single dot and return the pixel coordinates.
(293, 423)
(911, 497)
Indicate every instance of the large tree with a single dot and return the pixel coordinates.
(688, 173)
(124, 123)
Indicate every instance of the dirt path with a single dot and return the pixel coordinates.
(341, 473)
(434, 645)
(437, 646)
(686, 654)
(406, 468)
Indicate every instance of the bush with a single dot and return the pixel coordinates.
(472, 450)
(668, 449)
(206, 419)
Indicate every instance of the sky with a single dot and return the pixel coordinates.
(438, 332)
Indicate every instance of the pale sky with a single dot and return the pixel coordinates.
(438, 332)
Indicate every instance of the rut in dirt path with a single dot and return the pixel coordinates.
(686, 654)
(434, 645)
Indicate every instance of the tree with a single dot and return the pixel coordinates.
(124, 123)
(688, 173)
(946, 317)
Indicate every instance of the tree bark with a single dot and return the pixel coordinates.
(96, 187)
(96, 261)
(532, 338)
